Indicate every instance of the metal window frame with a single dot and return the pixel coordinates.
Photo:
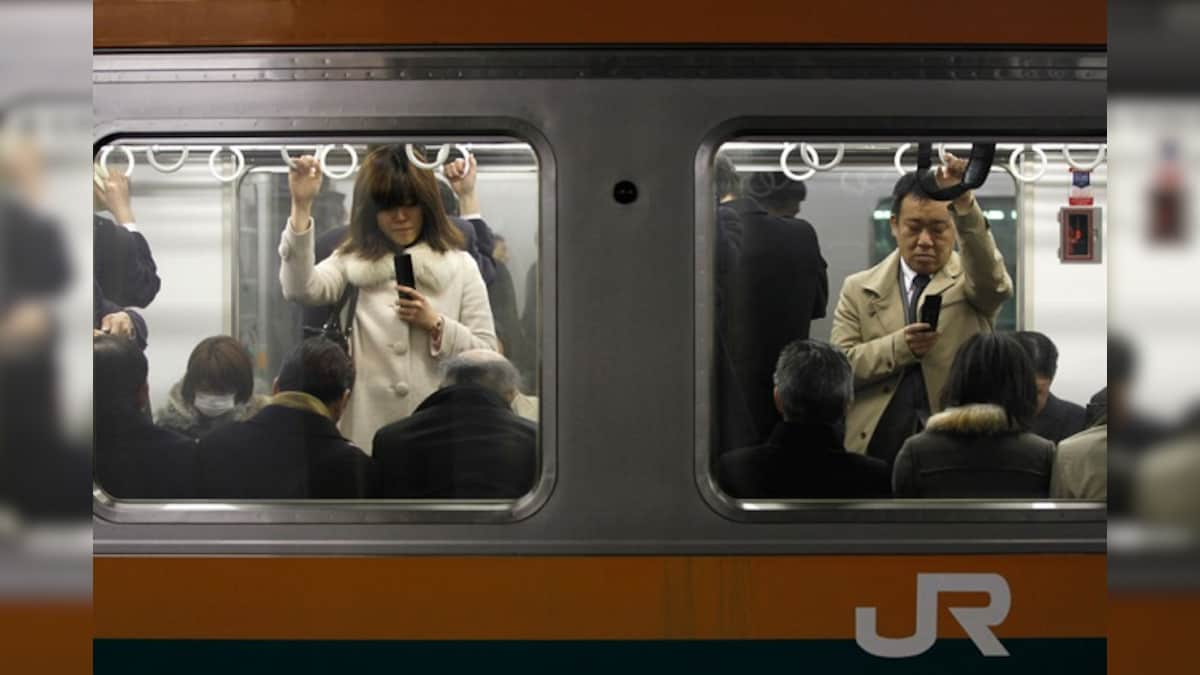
(849, 130)
(367, 130)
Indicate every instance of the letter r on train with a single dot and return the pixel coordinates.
(976, 621)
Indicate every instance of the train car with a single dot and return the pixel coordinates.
(595, 133)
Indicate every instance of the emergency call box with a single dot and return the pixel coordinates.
(1079, 234)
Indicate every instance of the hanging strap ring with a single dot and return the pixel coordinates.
(239, 164)
(812, 159)
(1085, 166)
(899, 158)
(806, 151)
(443, 154)
(166, 168)
(465, 150)
(286, 156)
(323, 154)
(1015, 169)
(941, 151)
(129, 161)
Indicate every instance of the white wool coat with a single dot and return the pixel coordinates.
(395, 363)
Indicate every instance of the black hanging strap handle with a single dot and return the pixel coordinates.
(978, 167)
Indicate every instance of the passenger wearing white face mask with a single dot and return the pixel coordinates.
(217, 389)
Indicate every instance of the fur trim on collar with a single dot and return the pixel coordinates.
(432, 269)
(977, 418)
(177, 414)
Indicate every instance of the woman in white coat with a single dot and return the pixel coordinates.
(400, 334)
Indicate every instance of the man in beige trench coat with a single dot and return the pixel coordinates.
(900, 366)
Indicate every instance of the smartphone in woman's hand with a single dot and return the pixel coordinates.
(404, 270)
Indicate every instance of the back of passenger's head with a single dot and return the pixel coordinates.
(219, 365)
(813, 382)
(776, 192)
(318, 367)
(1041, 351)
(907, 186)
(994, 368)
(483, 368)
(727, 181)
(119, 371)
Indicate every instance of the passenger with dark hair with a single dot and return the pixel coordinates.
(779, 195)
(777, 285)
(900, 364)
(464, 441)
(980, 445)
(292, 448)
(400, 335)
(1056, 419)
(216, 389)
(459, 186)
(804, 457)
(133, 458)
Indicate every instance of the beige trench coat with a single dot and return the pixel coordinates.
(869, 321)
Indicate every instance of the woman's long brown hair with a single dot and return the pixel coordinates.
(387, 180)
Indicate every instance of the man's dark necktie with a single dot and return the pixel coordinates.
(918, 287)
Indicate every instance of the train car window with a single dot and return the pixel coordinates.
(334, 319)
(877, 332)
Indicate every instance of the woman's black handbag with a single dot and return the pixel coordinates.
(338, 329)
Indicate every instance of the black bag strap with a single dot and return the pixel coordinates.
(335, 325)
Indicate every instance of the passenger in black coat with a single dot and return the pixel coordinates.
(502, 296)
(133, 458)
(804, 457)
(464, 441)
(42, 474)
(123, 268)
(1056, 419)
(734, 426)
(122, 262)
(292, 448)
(979, 446)
(106, 317)
(778, 286)
(1059, 419)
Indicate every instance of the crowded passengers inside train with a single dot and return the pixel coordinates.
(310, 330)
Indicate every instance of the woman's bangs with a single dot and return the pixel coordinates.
(391, 188)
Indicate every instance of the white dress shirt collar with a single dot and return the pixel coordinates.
(909, 274)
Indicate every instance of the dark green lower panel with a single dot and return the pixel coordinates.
(728, 657)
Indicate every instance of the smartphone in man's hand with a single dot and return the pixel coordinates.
(931, 309)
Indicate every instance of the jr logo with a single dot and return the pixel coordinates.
(976, 621)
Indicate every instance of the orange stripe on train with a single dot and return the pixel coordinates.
(619, 597)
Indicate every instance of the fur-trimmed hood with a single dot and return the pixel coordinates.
(976, 418)
(432, 274)
(180, 416)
